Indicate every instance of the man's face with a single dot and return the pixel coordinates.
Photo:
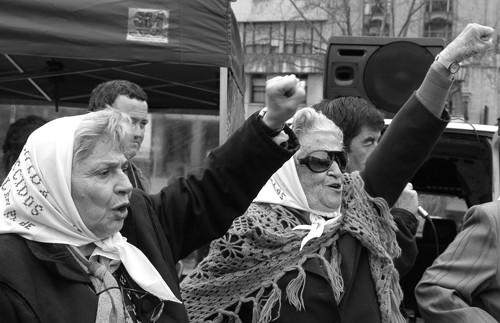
(101, 190)
(138, 111)
(361, 147)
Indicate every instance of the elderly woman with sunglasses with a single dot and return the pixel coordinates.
(78, 244)
(317, 244)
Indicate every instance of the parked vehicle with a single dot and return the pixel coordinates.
(463, 170)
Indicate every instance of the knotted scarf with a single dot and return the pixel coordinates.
(36, 203)
(245, 265)
(110, 307)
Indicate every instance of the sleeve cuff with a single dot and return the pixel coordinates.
(437, 84)
(270, 132)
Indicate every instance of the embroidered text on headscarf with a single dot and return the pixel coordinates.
(30, 211)
(279, 191)
(17, 181)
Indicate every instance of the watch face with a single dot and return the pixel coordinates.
(454, 67)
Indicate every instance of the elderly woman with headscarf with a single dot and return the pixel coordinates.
(317, 245)
(67, 197)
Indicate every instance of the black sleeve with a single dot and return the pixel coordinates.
(407, 225)
(200, 207)
(403, 149)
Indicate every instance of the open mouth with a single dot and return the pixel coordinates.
(121, 208)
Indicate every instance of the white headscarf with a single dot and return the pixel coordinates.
(36, 203)
(284, 188)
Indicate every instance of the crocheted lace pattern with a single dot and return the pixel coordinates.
(245, 265)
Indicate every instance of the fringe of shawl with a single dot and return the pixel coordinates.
(245, 265)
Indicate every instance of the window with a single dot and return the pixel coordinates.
(375, 17)
(438, 28)
(297, 37)
(261, 37)
(438, 22)
(258, 88)
(438, 6)
(376, 28)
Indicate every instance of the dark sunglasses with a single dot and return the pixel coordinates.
(320, 161)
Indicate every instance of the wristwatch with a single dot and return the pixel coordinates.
(270, 132)
(453, 67)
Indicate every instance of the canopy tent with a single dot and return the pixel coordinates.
(186, 54)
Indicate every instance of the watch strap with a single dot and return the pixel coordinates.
(270, 132)
(453, 67)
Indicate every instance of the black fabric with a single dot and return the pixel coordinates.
(407, 225)
(42, 284)
(359, 302)
(135, 177)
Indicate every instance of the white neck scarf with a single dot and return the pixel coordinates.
(284, 188)
(36, 204)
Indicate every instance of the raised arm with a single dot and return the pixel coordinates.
(201, 207)
(416, 128)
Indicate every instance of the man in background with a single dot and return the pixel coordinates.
(131, 99)
(362, 126)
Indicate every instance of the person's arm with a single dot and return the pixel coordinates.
(407, 225)
(416, 128)
(404, 214)
(200, 207)
(463, 283)
(407, 142)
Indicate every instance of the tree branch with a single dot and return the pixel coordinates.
(308, 21)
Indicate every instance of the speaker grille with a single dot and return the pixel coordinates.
(393, 72)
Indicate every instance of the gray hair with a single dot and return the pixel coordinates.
(308, 120)
(109, 123)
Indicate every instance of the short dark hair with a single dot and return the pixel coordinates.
(16, 137)
(351, 114)
(106, 93)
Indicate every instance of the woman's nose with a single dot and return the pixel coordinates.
(124, 185)
(335, 169)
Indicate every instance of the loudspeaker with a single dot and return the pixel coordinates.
(383, 70)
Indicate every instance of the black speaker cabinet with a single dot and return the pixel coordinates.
(383, 70)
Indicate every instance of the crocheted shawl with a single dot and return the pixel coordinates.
(245, 265)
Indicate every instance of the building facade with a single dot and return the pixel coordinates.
(291, 37)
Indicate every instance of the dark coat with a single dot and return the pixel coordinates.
(393, 164)
(41, 282)
(137, 179)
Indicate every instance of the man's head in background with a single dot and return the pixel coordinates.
(361, 124)
(127, 97)
(16, 137)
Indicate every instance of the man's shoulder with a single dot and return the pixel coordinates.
(487, 214)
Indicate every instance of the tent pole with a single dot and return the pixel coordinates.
(223, 108)
(20, 70)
